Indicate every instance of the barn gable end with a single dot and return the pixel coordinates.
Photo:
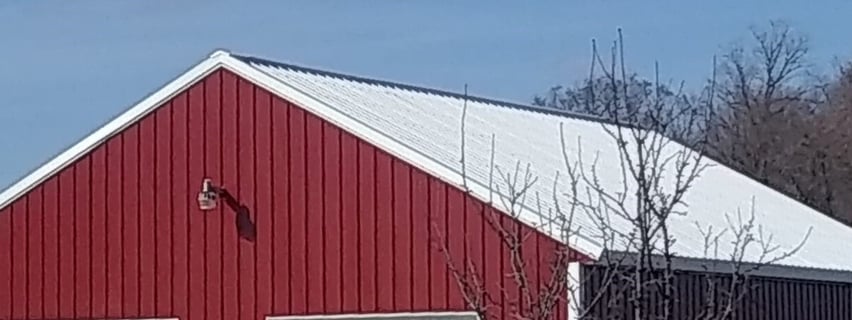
(349, 182)
(113, 230)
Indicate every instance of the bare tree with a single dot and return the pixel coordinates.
(631, 219)
(598, 94)
(823, 169)
(770, 121)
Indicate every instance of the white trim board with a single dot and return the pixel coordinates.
(410, 315)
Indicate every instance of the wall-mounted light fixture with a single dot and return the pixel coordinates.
(208, 196)
(208, 199)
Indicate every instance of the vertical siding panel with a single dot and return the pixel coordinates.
(812, 300)
(552, 250)
(384, 232)
(147, 227)
(456, 243)
(349, 233)
(437, 238)
(230, 174)
(473, 235)
(843, 308)
(831, 304)
(213, 220)
(130, 225)
(53, 266)
(180, 206)
(511, 297)
(420, 240)
(298, 183)
(82, 248)
(18, 212)
(367, 226)
(546, 257)
(530, 257)
(6, 265)
(163, 216)
(402, 236)
(246, 193)
(281, 202)
(561, 308)
(801, 306)
(98, 235)
(264, 204)
(493, 248)
(114, 217)
(333, 218)
(840, 301)
(196, 219)
(819, 301)
(66, 283)
(35, 270)
(315, 229)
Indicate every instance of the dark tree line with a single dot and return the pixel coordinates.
(764, 111)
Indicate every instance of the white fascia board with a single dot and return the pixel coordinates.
(413, 315)
(391, 145)
(116, 125)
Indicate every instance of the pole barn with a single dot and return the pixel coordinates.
(112, 229)
(252, 189)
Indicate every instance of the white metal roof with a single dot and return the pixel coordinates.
(422, 126)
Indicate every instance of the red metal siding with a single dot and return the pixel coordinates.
(342, 226)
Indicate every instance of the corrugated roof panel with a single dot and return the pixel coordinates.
(429, 122)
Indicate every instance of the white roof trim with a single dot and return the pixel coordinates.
(114, 126)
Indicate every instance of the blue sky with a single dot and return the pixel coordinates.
(66, 67)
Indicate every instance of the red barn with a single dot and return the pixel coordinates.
(337, 187)
(112, 227)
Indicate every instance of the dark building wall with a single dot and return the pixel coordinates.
(767, 297)
(341, 225)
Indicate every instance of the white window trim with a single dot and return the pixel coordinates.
(377, 315)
